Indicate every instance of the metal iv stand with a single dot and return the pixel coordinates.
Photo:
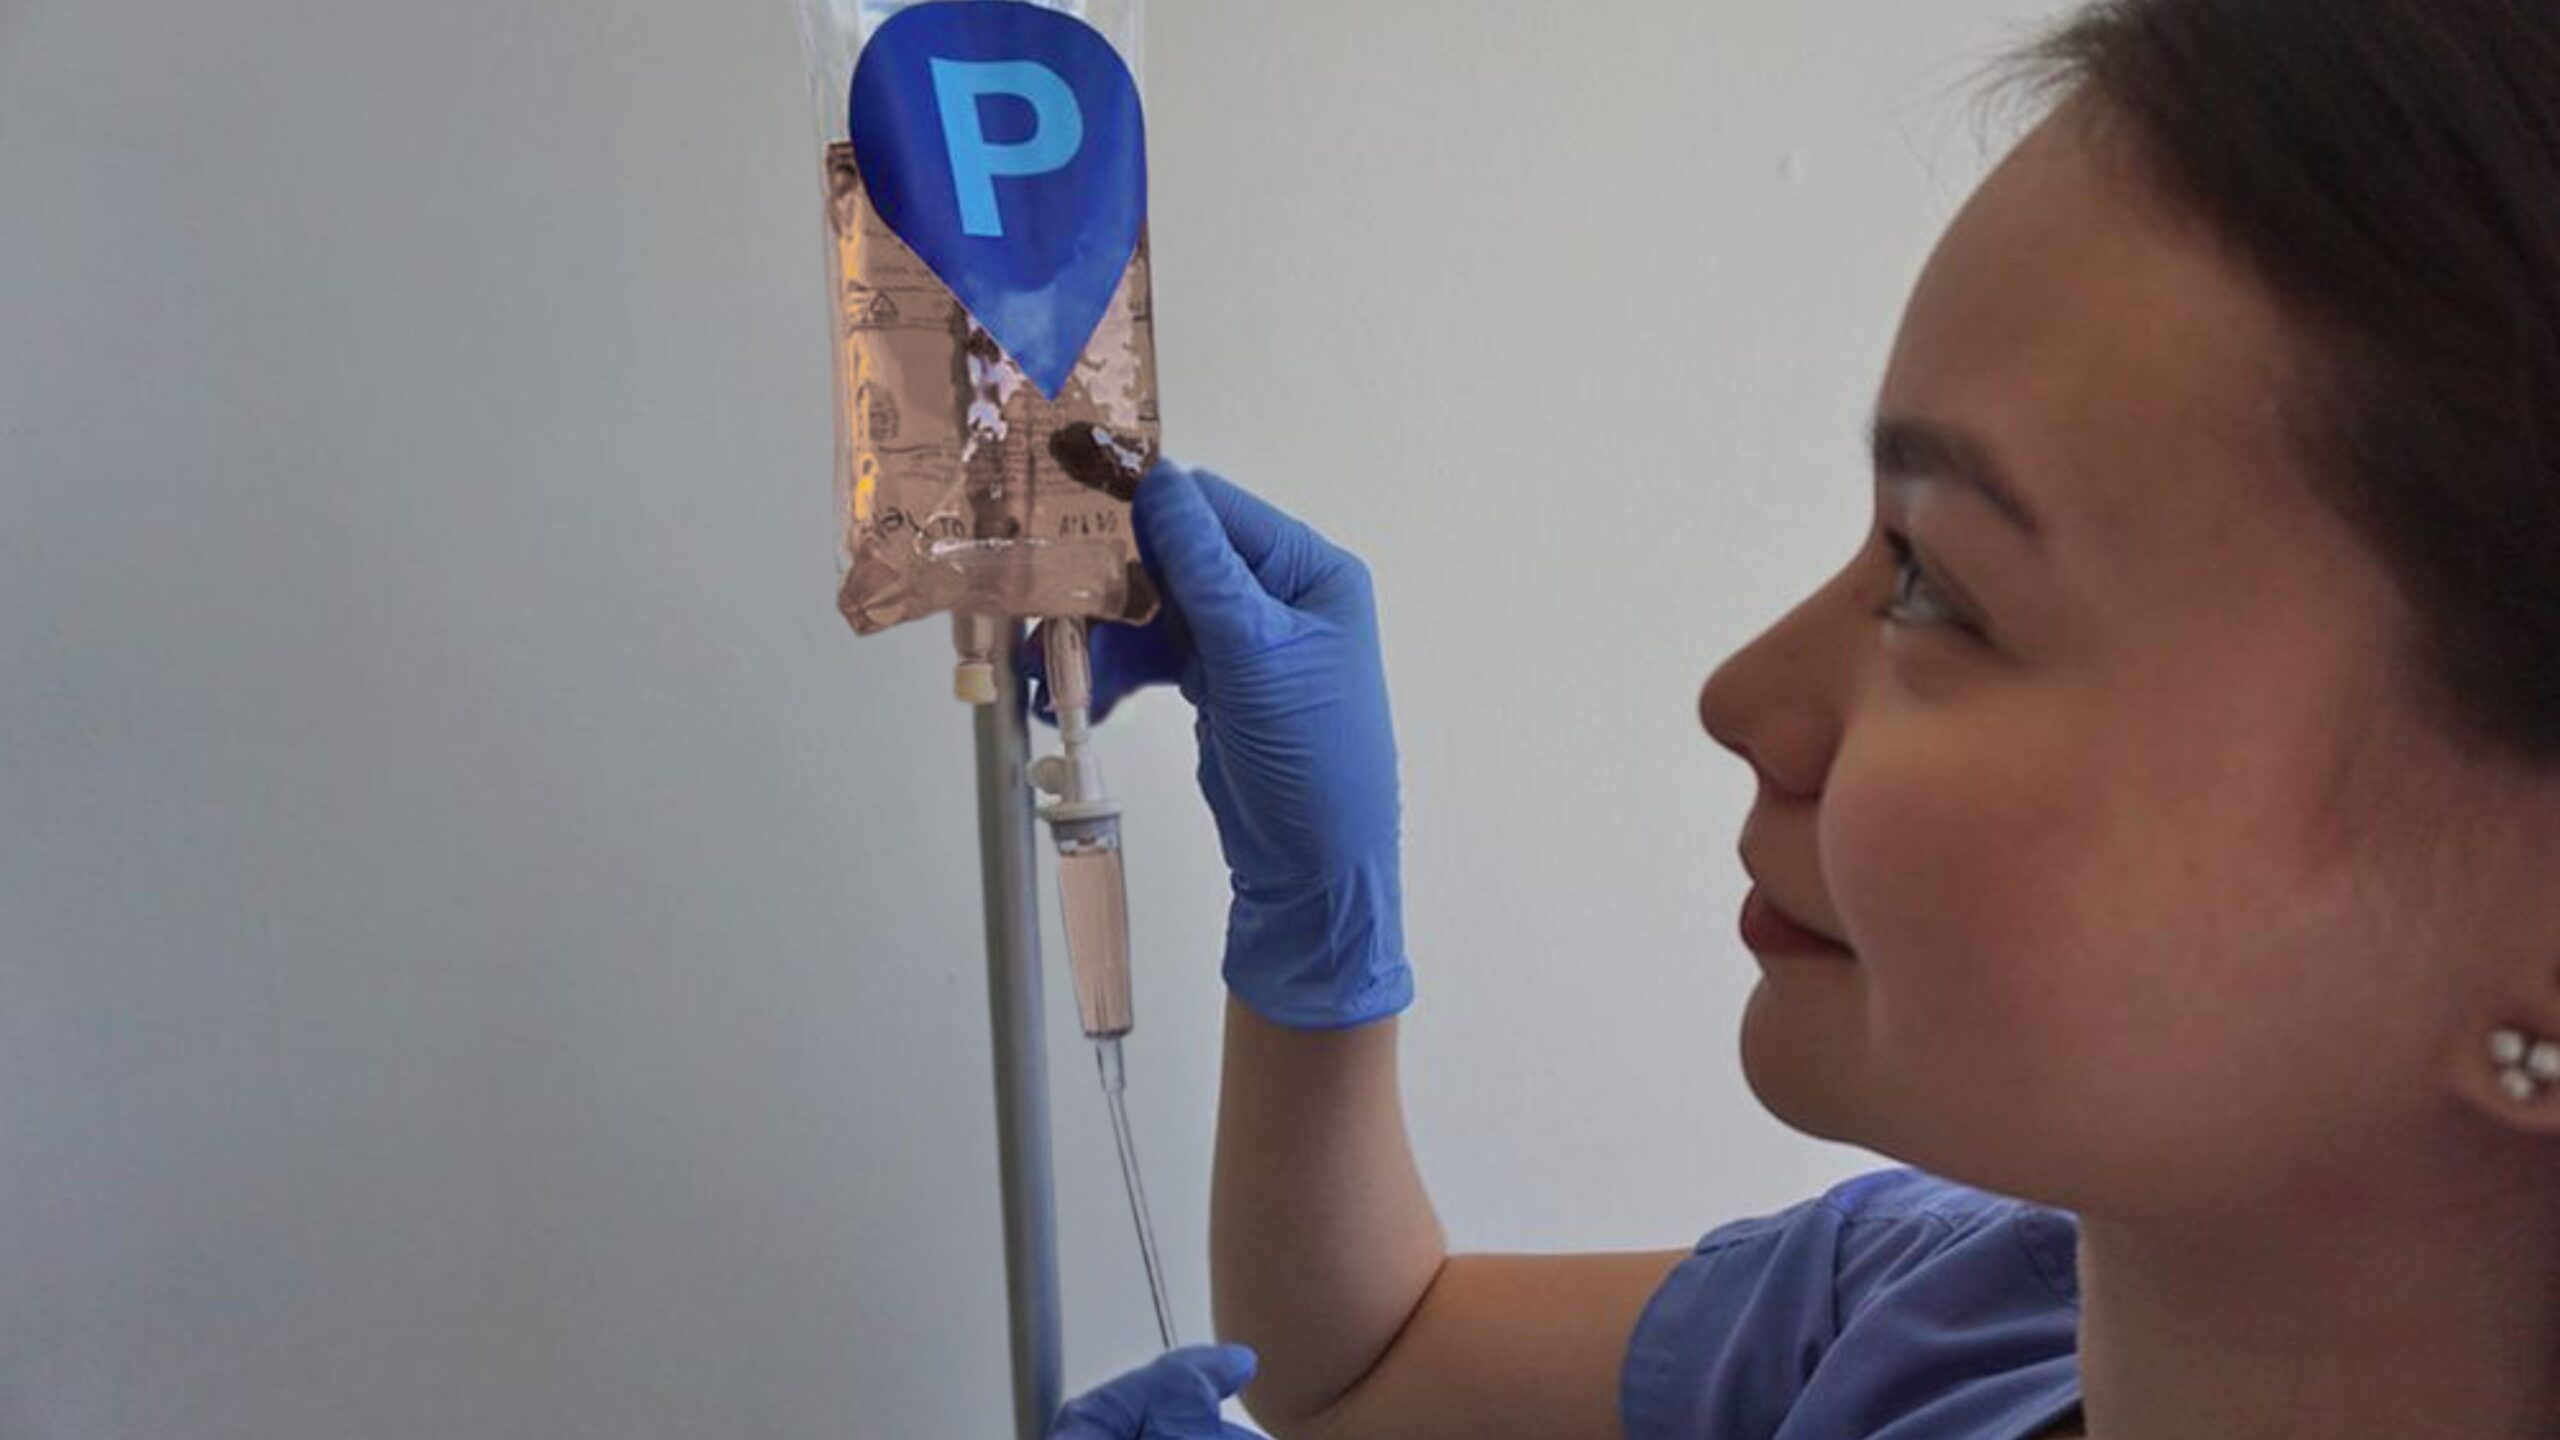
(1008, 867)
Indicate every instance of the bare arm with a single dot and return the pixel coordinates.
(1326, 1257)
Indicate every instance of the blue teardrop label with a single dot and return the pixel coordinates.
(1005, 144)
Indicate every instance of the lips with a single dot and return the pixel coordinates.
(1768, 929)
(1775, 905)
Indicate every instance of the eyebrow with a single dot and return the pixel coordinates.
(1907, 450)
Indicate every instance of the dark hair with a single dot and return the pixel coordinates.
(2391, 169)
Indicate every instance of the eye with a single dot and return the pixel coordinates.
(1910, 578)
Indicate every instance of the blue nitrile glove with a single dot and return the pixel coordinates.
(1272, 632)
(1176, 1398)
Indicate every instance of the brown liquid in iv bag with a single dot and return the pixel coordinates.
(960, 487)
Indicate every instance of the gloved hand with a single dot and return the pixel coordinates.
(1176, 1398)
(1271, 631)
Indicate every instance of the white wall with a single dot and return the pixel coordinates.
(485, 952)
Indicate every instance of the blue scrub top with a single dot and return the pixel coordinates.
(1897, 1306)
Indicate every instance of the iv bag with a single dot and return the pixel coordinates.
(963, 482)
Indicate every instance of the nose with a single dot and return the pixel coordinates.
(1776, 702)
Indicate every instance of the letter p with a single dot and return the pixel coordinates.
(1057, 131)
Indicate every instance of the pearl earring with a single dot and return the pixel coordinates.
(2526, 1064)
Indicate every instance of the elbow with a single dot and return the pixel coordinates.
(1286, 1405)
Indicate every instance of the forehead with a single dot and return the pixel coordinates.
(2118, 361)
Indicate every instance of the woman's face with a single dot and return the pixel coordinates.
(2154, 868)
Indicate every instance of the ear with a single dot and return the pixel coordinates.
(2509, 1065)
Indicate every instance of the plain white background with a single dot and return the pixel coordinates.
(484, 950)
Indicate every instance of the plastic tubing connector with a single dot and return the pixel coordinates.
(1085, 822)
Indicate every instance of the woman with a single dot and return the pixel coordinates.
(2166, 795)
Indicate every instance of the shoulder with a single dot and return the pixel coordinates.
(1876, 1228)
(1903, 1192)
(1897, 1222)
(1917, 1281)
(1882, 1197)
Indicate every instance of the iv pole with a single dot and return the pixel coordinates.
(1011, 880)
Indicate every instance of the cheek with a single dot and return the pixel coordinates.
(1968, 869)
(2045, 909)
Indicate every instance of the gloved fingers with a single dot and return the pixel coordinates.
(1227, 1368)
(1257, 528)
(1188, 1385)
(1072, 1426)
(1123, 659)
(1285, 553)
(1221, 598)
(1129, 658)
(1176, 1397)
(1031, 662)
(1217, 554)
(1116, 1411)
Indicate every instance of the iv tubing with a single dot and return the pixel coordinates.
(1098, 951)
(1115, 1082)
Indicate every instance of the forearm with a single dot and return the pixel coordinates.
(1322, 1240)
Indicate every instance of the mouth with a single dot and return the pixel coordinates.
(1768, 930)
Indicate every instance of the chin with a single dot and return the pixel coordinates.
(1806, 1092)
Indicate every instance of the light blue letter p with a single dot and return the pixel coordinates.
(1057, 131)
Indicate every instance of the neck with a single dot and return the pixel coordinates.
(2366, 1312)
